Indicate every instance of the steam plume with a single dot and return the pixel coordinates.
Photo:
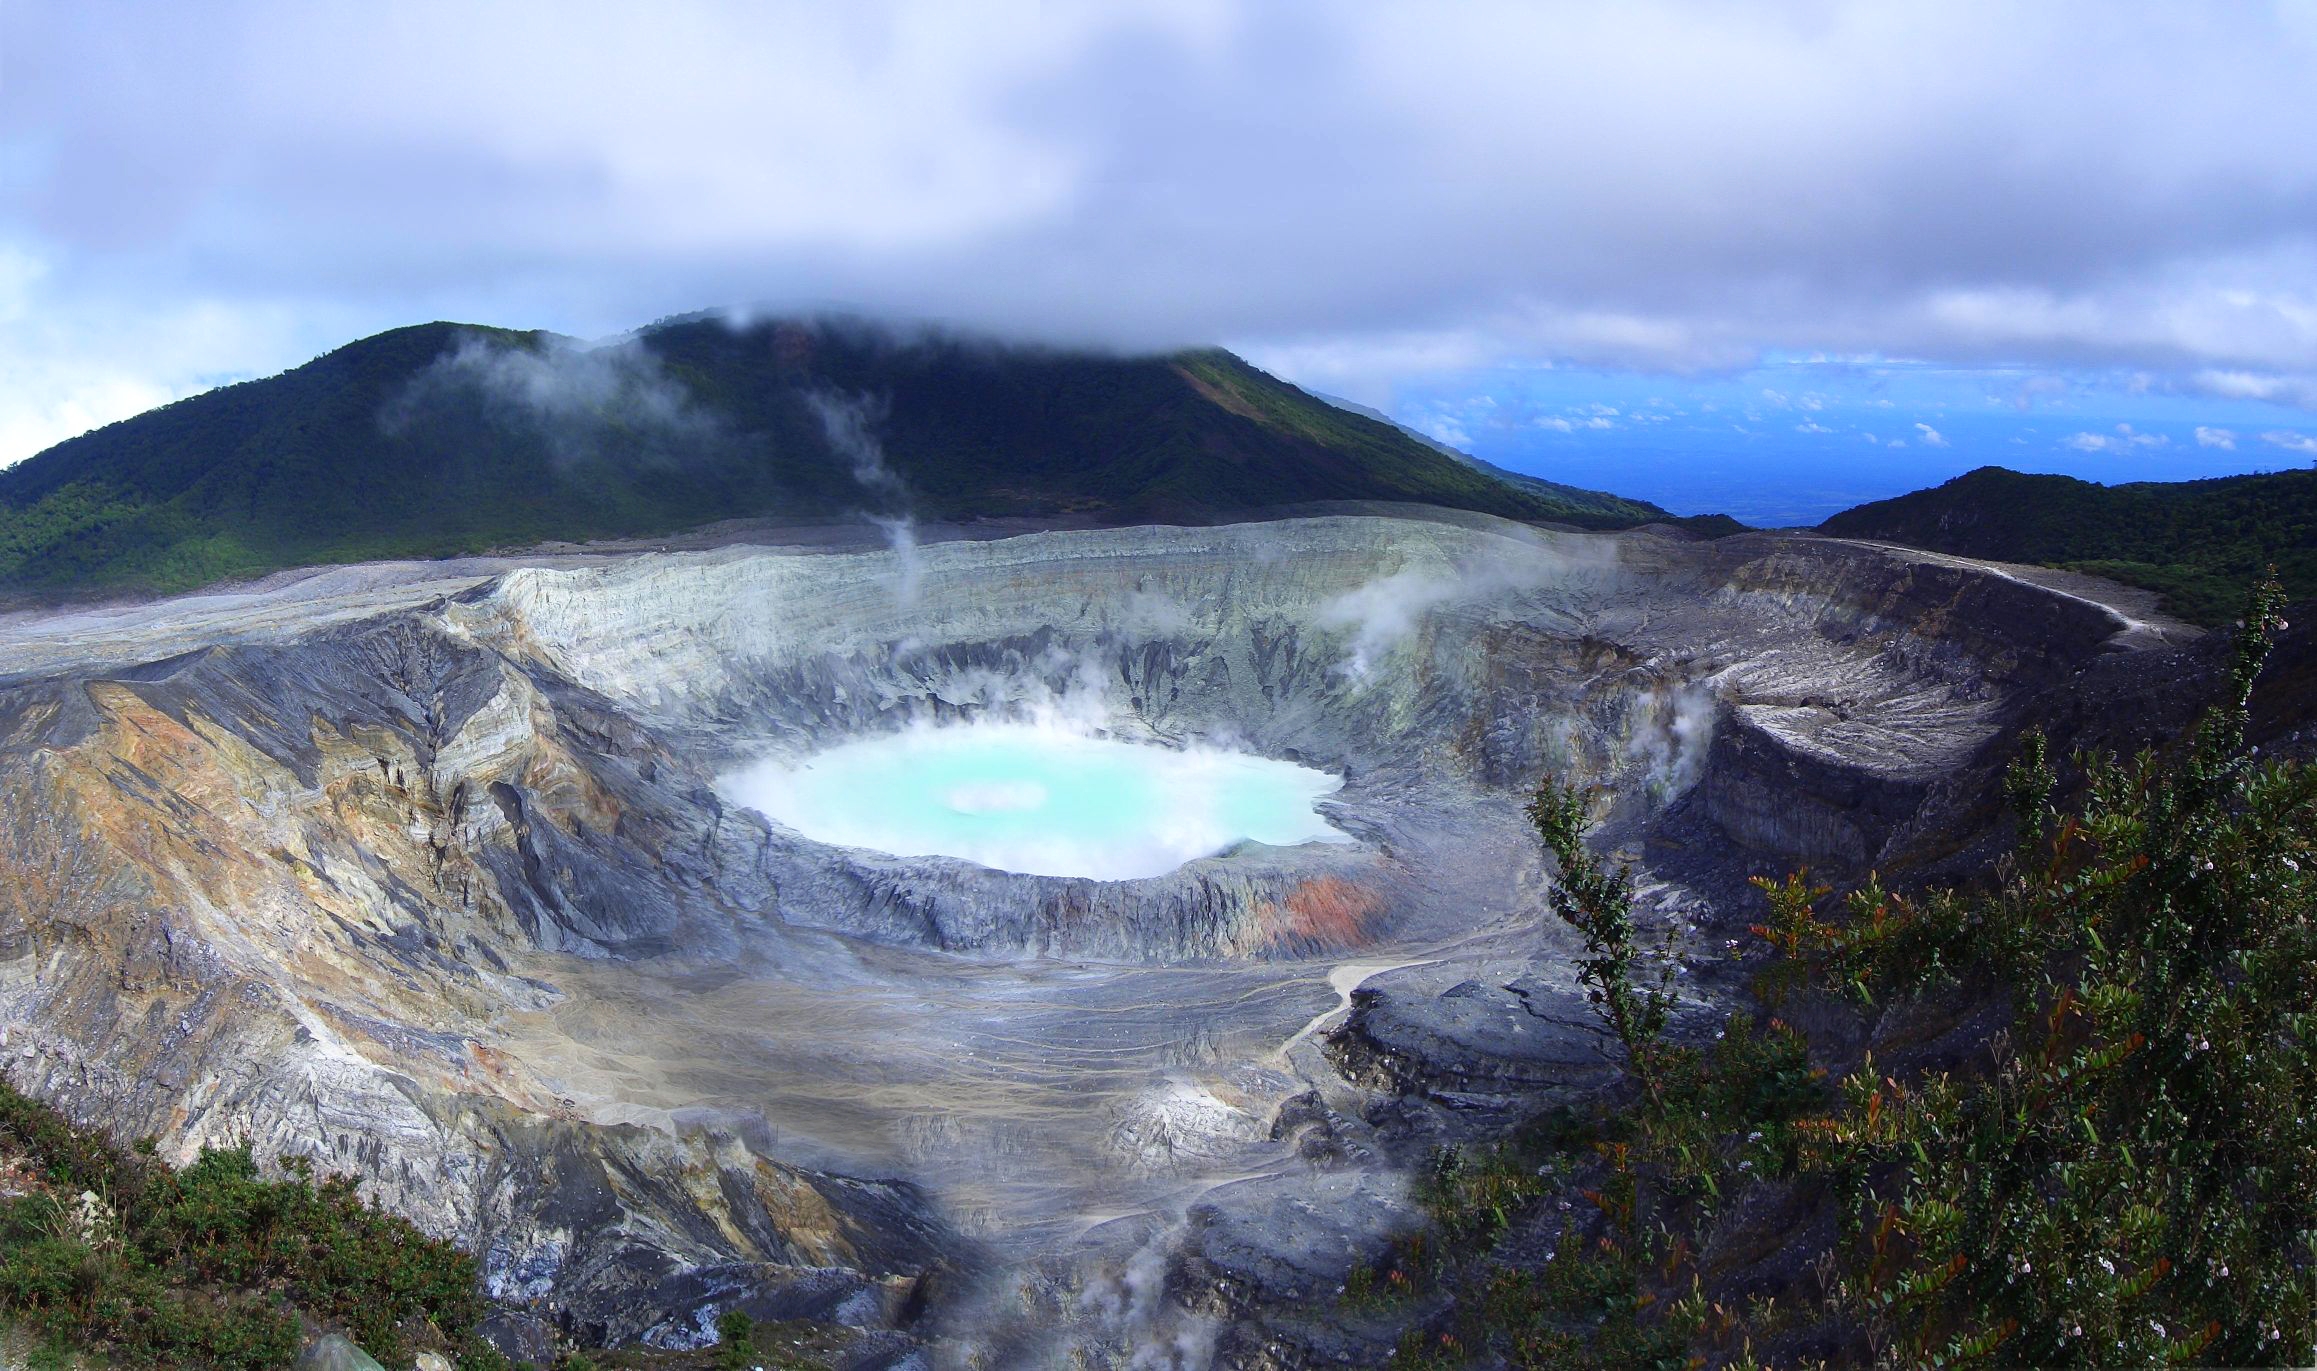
(849, 423)
(589, 403)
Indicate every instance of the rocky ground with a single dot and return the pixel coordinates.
(424, 871)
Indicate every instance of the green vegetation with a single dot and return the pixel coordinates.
(444, 439)
(213, 1265)
(2196, 543)
(2112, 1165)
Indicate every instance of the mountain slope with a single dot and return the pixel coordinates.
(2201, 544)
(1574, 495)
(447, 438)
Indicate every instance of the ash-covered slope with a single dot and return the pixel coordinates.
(424, 872)
(446, 438)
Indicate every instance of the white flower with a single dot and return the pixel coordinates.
(2107, 1266)
(1755, 1136)
(2157, 1326)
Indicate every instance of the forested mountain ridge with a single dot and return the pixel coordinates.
(2198, 543)
(443, 438)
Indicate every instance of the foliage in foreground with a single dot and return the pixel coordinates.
(213, 1264)
(2123, 1173)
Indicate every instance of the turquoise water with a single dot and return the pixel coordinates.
(1024, 797)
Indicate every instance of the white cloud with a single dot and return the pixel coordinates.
(1446, 429)
(2124, 439)
(2245, 385)
(2216, 437)
(1811, 426)
(2291, 442)
(1931, 436)
(1352, 192)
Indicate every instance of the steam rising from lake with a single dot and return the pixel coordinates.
(1039, 798)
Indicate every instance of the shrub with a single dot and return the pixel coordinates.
(213, 1264)
(2121, 1175)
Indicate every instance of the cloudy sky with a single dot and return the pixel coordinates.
(1762, 257)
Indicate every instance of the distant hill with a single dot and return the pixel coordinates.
(2201, 544)
(448, 438)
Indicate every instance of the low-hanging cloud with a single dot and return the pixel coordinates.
(1952, 181)
(613, 401)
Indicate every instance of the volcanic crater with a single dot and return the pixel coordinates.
(435, 872)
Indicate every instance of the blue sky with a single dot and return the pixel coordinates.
(1486, 217)
(1799, 438)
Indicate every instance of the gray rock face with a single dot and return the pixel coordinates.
(425, 872)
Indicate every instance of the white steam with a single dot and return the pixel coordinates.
(1131, 1308)
(589, 402)
(1382, 614)
(850, 422)
(1061, 689)
(900, 532)
(1385, 612)
(1670, 745)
